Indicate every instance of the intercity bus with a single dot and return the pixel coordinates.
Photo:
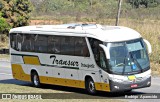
(88, 56)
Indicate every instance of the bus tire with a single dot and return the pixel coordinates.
(35, 79)
(128, 90)
(90, 86)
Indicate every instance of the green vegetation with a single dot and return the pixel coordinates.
(95, 9)
(15, 13)
(3, 25)
(146, 3)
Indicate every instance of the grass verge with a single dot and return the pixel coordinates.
(11, 88)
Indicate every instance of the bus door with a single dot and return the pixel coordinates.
(101, 61)
(103, 70)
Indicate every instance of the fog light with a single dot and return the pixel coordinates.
(116, 87)
(148, 83)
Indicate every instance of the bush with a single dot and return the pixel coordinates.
(14, 13)
(4, 27)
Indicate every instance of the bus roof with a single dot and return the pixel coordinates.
(103, 33)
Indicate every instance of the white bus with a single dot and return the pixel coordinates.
(89, 56)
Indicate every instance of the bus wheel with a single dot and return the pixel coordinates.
(90, 86)
(35, 79)
(128, 90)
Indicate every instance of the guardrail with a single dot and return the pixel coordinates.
(4, 51)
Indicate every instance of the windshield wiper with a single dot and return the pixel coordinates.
(135, 61)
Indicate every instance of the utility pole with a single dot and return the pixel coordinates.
(91, 3)
(118, 12)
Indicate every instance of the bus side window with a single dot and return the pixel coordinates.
(13, 40)
(81, 48)
(54, 44)
(99, 53)
(16, 41)
(102, 60)
(27, 43)
(32, 40)
(41, 44)
(78, 46)
(95, 48)
(19, 42)
(67, 45)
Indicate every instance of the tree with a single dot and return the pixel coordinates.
(16, 12)
(4, 27)
(3, 23)
(146, 3)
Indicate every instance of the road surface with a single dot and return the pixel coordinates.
(6, 77)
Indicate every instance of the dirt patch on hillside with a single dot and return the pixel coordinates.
(53, 22)
(45, 22)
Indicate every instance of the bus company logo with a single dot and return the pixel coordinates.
(6, 96)
(64, 62)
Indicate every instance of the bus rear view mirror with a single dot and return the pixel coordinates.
(149, 47)
(106, 50)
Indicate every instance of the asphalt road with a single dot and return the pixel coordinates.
(6, 77)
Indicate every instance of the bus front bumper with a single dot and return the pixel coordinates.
(117, 86)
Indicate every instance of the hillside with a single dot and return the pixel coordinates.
(94, 10)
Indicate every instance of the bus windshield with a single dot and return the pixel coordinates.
(129, 57)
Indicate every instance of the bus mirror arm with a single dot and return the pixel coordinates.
(106, 50)
(149, 47)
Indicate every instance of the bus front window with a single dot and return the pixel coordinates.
(129, 57)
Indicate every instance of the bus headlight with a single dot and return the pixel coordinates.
(116, 87)
(148, 83)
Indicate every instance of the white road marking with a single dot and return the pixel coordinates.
(155, 84)
(5, 66)
(5, 74)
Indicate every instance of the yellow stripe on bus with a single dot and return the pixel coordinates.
(62, 82)
(19, 74)
(33, 60)
(102, 87)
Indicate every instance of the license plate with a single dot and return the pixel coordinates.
(134, 85)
